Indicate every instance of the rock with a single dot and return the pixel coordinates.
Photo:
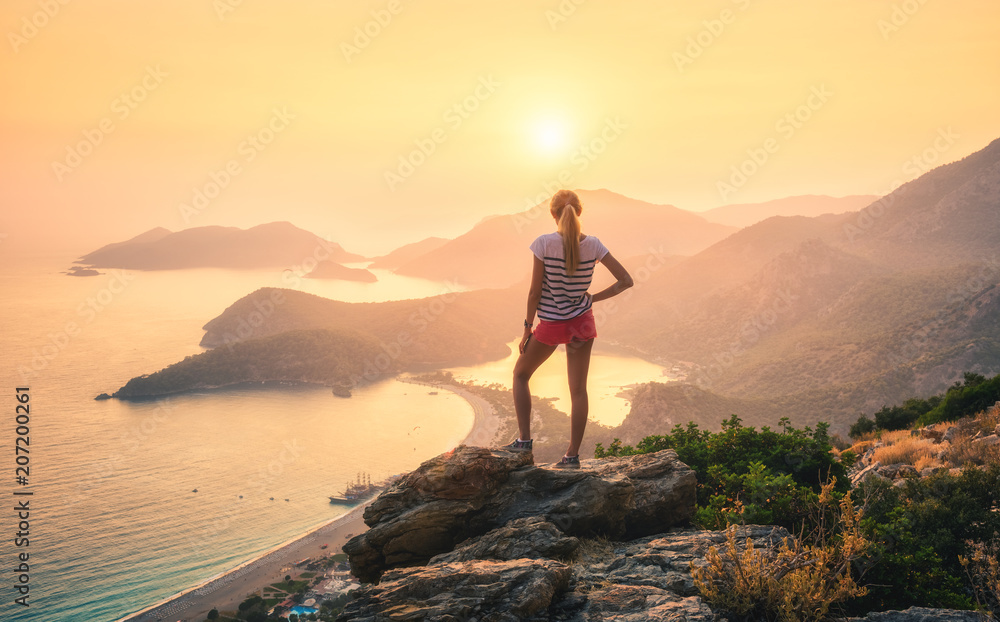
(644, 604)
(863, 474)
(987, 441)
(530, 538)
(906, 470)
(920, 614)
(508, 574)
(889, 471)
(932, 471)
(949, 435)
(103, 396)
(933, 433)
(498, 591)
(471, 491)
(647, 579)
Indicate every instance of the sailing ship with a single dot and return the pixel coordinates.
(360, 490)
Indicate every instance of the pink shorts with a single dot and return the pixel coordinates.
(579, 328)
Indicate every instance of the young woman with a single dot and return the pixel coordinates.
(563, 269)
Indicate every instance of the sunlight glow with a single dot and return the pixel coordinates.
(551, 136)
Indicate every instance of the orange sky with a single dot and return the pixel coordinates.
(655, 100)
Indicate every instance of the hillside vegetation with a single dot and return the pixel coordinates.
(927, 499)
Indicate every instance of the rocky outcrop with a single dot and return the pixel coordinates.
(644, 580)
(487, 536)
(471, 491)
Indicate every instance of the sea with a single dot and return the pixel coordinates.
(132, 502)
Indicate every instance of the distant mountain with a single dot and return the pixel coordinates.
(836, 314)
(407, 253)
(949, 215)
(460, 328)
(495, 252)
(332, 270)
(746, 214)
(272, 245)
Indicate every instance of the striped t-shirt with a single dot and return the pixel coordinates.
(564, 296)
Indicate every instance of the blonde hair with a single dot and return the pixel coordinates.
(569, 225)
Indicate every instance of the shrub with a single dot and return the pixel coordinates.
(741, 471)
(975, 395)
(798, 583)
(983, 571)
(919, 531)
(861, 427)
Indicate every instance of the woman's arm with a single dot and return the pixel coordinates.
(534, 295)
(619, 272)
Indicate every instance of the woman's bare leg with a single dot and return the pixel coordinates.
(535, 353)
(577, 366)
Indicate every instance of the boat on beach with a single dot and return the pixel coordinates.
(358, 491)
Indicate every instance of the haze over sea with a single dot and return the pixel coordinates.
(115, 524)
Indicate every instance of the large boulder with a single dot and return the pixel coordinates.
(523, 538)
(499, 591)
(470, 491)
(644, 580)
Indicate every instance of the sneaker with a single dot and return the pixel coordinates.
(519, 445)
(568, 462)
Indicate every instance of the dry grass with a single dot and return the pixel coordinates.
(593, 551)
(963, 451)
(907, 450)
(926, 462)
(796, 583)
(895, 436)
(861, 447)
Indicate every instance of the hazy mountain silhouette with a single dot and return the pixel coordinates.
(838, 314)
(746, 214)
(332, 270)
(272, 245)
(407, 253)
(495, 252)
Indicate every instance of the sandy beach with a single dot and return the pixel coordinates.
(485, 423)
(228, 589)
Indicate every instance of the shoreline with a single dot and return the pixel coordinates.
(484, 423)
(199, 599)
(225, 590)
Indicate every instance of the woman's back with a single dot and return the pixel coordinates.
(563, 293)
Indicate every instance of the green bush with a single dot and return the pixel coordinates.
(862, 426)
(749, 475)
(920, 531)
(974, 395)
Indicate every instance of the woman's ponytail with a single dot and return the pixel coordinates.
(569, 225)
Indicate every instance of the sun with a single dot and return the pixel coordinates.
(551, 136)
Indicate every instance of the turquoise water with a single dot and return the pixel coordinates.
(114, 524)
